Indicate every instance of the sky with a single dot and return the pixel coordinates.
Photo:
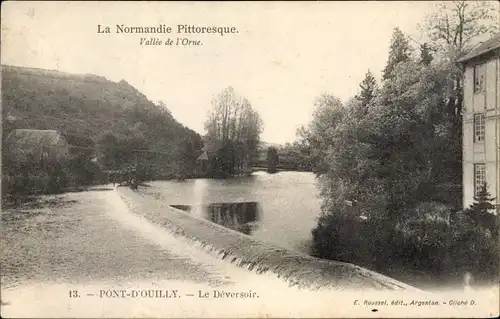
(284, 55)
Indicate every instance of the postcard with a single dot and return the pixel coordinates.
(250, 159)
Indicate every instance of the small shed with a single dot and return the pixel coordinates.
(203, 157)
(36, 144)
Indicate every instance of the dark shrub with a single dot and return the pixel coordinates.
(429, 241)
(58, 178)
(348, 238)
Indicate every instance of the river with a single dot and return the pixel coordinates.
(280, 208)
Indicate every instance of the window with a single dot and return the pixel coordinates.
(479, 177)
(478, 127)
(479, 78)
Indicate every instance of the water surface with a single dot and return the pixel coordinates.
(280, 208)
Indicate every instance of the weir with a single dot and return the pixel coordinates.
(245, 251)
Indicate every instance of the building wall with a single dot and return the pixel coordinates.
(487, 151)
(62, 149)
(57, 151)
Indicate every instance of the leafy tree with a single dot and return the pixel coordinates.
(399, 52)
(387, 163)
(425, 54)
(272, 159)
(328, 114)
(108, 146)
(233, 126)
(295, 156)
(188, 152)
(368, 90)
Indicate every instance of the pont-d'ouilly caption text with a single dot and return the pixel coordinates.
(164, 294)
(187, 35)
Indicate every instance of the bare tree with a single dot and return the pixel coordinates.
(453, 28)
(456, 26)
(232, 121)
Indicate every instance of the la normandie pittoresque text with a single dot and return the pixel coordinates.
(153, 33)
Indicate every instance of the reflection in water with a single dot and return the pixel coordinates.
(242, 217)
(287, 203)
(186, 208)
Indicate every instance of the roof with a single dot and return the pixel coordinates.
(485, 47)
(32, 137)
(203, 156)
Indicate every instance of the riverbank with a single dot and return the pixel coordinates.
(265, 169)
(18, 201)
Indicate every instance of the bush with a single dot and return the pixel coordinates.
(32, 177)
(348, 238)
(431, 241)
(57, 178)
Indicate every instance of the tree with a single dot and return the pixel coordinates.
(163, 108)
(272, 159)
(454, 27)
(233, 126)
(108, 148)
(425, 54)
(481, 210)
(368, 90)
(389, 162)
(328, 114)
(399, 52)
(483, 201)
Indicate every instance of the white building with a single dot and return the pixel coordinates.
(481, 120)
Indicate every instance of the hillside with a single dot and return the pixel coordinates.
(83, 107)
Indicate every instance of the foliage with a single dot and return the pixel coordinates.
(233, 133)
(82, 170)
(431, 242)
(272, 159)
(482, 202)
(452, 29)
(57, 178)
(399, 52)
(28, 176)
(295, 157)
(291, 156)
(389, 156)
(91, 111)
(455, 26)
(328, 114)
(481, 212)
(425, 54)
(368, 90)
